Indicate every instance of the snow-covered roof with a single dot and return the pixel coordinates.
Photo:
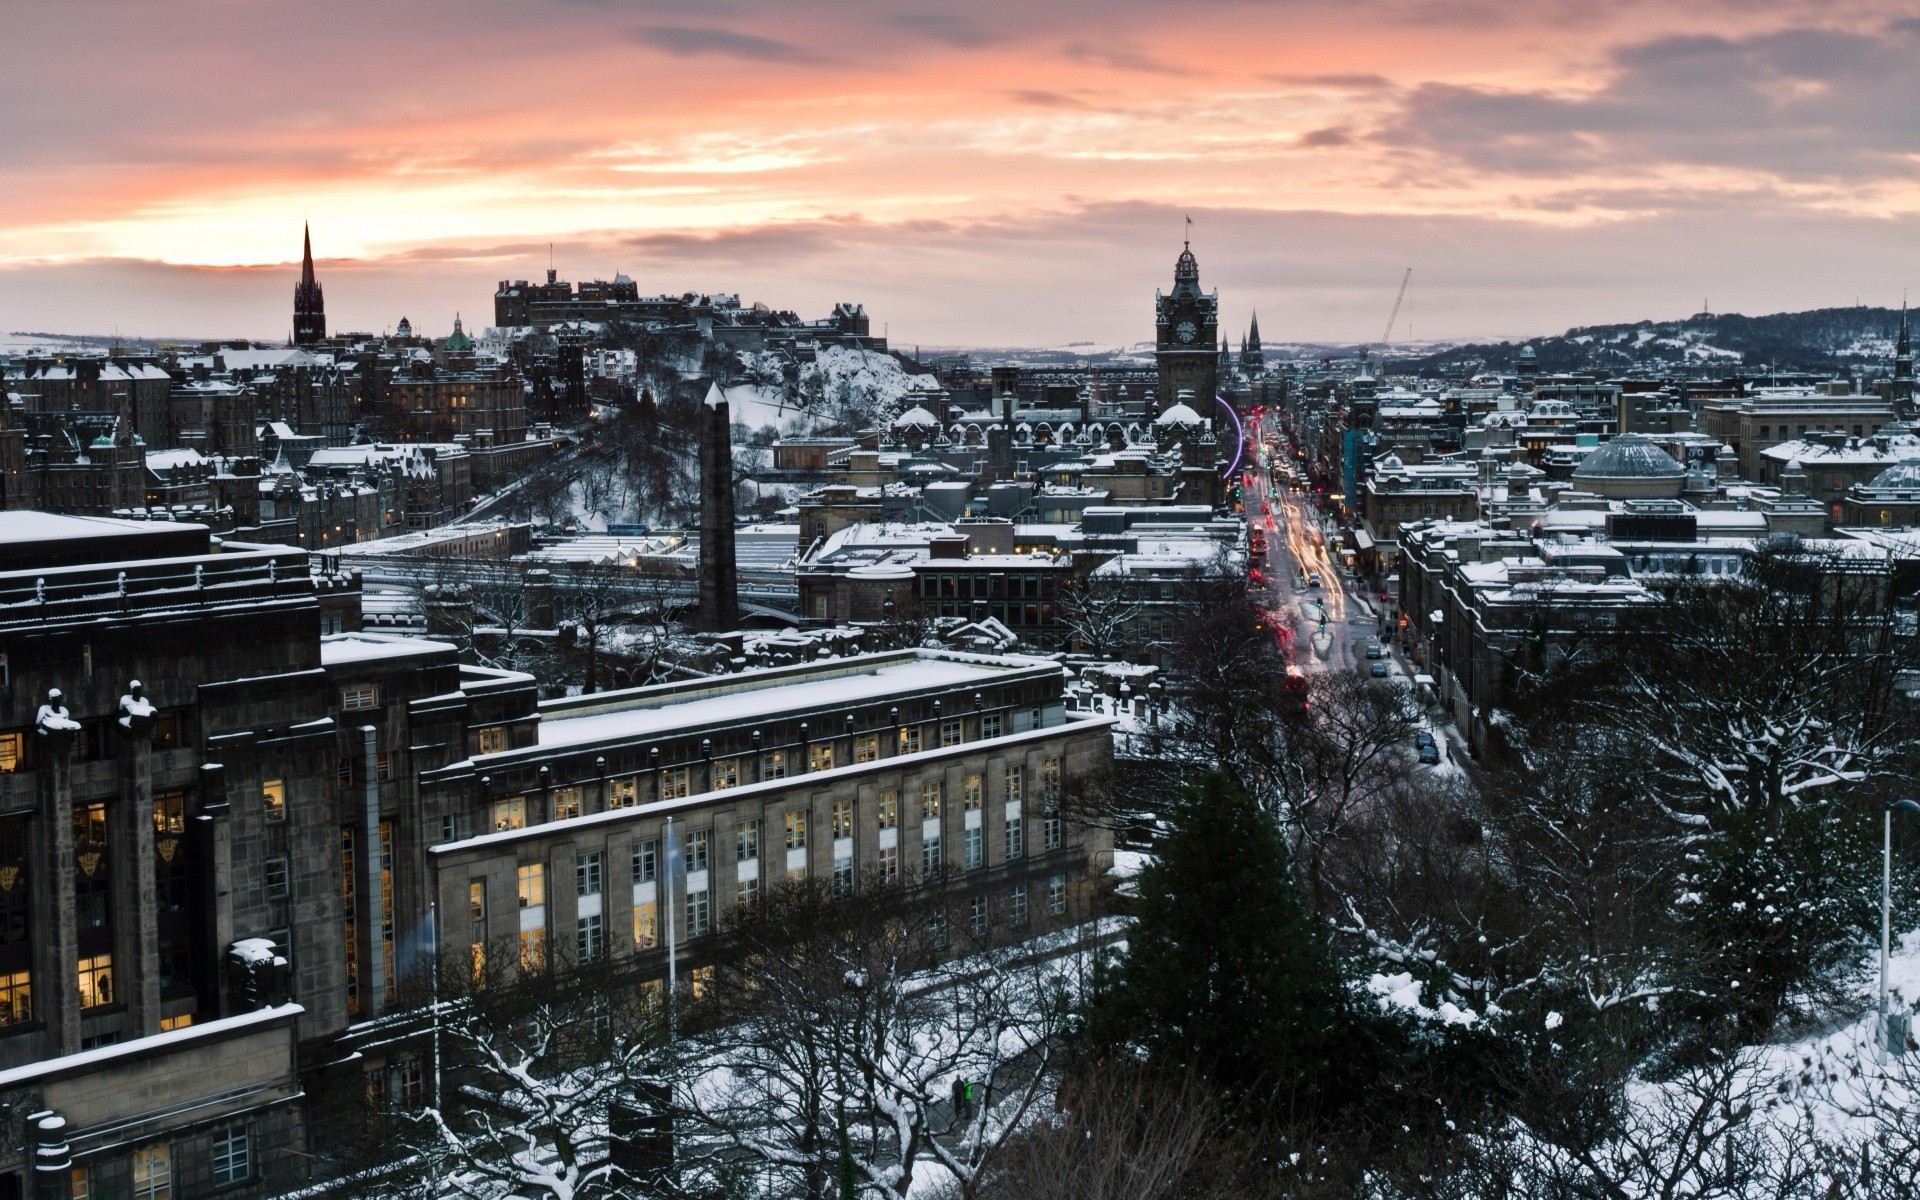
(339, 649)
(28, 525)
(166, 460)
(1629, 456)
(762, 695)
(1179, 414)
(915, 416)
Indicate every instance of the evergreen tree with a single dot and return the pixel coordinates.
(1226, 973)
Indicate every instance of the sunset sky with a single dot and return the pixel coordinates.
(989, 173)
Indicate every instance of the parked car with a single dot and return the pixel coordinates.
(1379, 670)
(1423, 739)
(1374, 650)
(1430, 754)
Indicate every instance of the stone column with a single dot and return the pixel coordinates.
(136, 950)
(57, 961)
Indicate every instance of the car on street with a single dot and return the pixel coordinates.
(1430, 754)
(1313, 579)
(1374, 650)
(1379, 670)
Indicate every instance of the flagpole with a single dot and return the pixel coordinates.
(673, 954)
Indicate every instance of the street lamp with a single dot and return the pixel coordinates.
(1886, 910)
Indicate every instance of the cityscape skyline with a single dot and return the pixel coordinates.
(1534, 180)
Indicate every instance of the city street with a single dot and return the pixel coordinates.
(1297, 550)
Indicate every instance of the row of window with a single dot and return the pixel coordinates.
(676, 783)
(697, 846)
(153, 1170)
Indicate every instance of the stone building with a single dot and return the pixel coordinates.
(917, 768)
(169, 854)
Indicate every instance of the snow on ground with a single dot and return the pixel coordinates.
(1838, 1077)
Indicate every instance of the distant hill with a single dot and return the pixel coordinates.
(1825, 340)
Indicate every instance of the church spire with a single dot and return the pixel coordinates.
(1253, 332)
(309, 305)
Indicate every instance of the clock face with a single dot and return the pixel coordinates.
(1186, 331)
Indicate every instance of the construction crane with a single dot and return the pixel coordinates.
(1397, 302)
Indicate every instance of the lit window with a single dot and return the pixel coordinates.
(796, 822)
(866, 748)
(820, 757)
(970, 791)
(533, 885)
(1015, 779)
(479, 951)
(623, 793)
(477, 899)
(930, 800)
(910, 739)
(725, 773)
(673, 784)
(888, 810)
(773, 764)
(533, 950)
(493, 739)
(842, 819)
(16, 997)
(169, 812)
(273, 799)
(169, 1024)
(153, 1173)
(96, 981)
(702, 982)
(510, 813)
(232, 1159)
(646, 925)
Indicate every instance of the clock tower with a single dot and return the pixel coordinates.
(1187, 338)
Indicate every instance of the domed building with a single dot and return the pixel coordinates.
(1630, 467)
(1891, 498)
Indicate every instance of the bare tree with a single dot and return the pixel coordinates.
(841, 1034)
(535, 1062)
(1101, 614)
